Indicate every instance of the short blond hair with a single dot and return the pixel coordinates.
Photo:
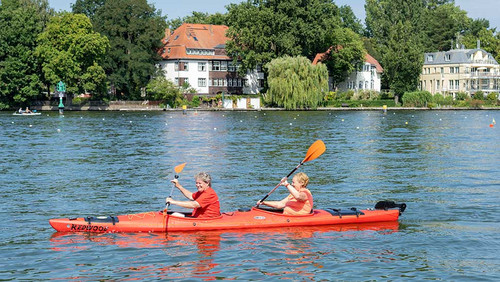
(205, 177)
(303, 178)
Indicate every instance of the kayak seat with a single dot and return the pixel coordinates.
(385, 205)
(341, 212)
(90, 219)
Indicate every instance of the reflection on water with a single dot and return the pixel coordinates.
(295, 245)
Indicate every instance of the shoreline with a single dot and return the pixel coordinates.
(149, 108)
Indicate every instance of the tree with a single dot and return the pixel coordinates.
(348, 54)
(135, 30)
(443, 24)
(489, 41)
(199, 18)
(20, 23)
(349, 20)
(160, 88)
(398, 28)
(260, 31)
(295, 83)
(70, 51)
(87, 7)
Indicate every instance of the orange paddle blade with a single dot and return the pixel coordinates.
(179, 168)
(316, 150)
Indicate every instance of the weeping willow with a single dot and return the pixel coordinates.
(294, 83)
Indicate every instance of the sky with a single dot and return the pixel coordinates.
(488, 9)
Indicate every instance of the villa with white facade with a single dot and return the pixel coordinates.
(195, 54)
(368, 76)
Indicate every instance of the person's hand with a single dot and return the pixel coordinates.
(168, 200)
(259, 203)
(284, 182)
(175, 181)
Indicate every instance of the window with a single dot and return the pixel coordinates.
(176, 81)
(246, 82)
(366, 84)
(216, 66)
(360, 85)
(457, 84)
(224, 81)
(202, 66)
(452, 70)
(447, 57)
(366, 68)
(231, 67)
(230, 82)
(437, 84)
(457, 70)
(221, 82)
(202, 82)
(430, 58)
(372, 84)
(223, 66)
(182, 66)
(450, 84)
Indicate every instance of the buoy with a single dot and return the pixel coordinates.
(215, 128)
(130, 121)
(342, 119)
(58, 130)
(357, 127)
(493, 121)
(290, 123)
(491, 125)
(102, 118)
(406, 122)
(31, 125)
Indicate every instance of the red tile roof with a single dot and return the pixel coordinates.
(194, 36)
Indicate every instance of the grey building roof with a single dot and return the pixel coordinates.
(453, 57)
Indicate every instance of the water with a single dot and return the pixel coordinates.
(443, 164)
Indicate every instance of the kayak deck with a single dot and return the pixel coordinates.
(160, 221)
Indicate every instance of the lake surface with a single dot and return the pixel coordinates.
(445, 165)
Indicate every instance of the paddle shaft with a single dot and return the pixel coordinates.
(265, 197)
(172, 191)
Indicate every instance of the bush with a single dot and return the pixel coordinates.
(493, 96)
(416, 99)
(330, 96)
(79, 101)
(345, 95)
(461, 96)
(439, 99)
(476, 104)
(479, 95)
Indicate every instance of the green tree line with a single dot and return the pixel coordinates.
(110, 47)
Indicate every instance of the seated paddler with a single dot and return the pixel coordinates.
(300, 199)
(204, 202)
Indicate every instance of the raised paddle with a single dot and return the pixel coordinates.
(316, 150)
(178, 170)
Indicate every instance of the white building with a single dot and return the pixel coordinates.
(195, 54)
(367, 77)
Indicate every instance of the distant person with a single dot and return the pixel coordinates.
(204, 202)
(300, 199)
(27, 111)
(20, 110)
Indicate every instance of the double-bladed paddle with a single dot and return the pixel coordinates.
(178, 170)
(314, 151)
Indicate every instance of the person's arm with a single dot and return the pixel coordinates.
(184, 204)
(275, 204)
(183, 190)
(299, 196)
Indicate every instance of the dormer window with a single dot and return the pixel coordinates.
(430, 58)
(447, 57)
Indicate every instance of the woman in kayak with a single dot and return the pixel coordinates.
(300, 200)
(204, 202)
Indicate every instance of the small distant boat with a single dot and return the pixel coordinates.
(26, 114)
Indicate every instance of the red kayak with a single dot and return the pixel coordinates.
(161, 221)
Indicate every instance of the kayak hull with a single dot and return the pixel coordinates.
(161, 221)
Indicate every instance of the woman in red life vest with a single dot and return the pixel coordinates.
(204, 202)
(300, 199)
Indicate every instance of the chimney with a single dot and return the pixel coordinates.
(478, 44)
(167, 35)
